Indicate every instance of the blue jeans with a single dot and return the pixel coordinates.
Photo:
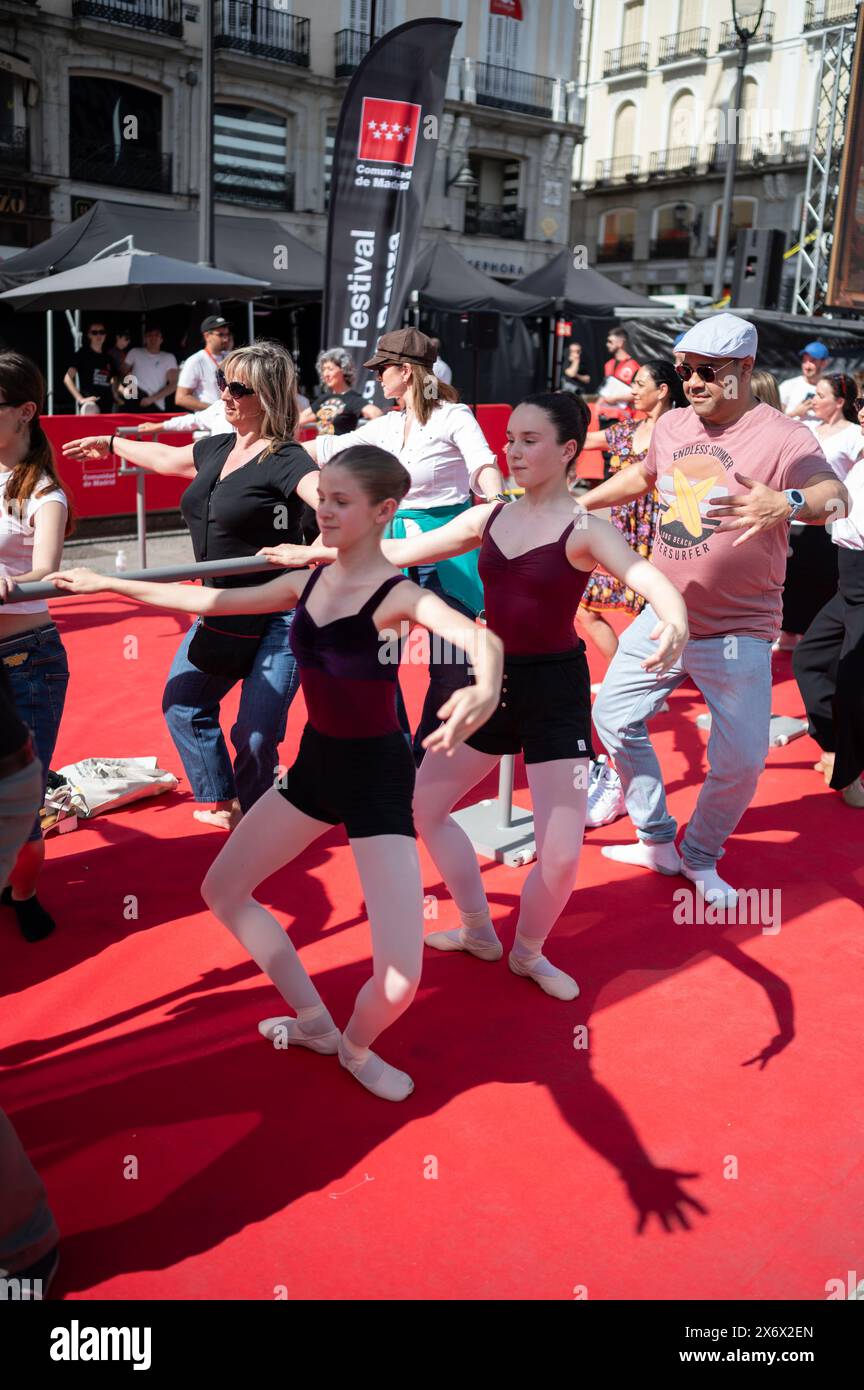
(191, 708)
(448, 673)
(733, 675)
(38, 672)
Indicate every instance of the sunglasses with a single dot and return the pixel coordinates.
(96, 333)
(706, 373)
(236, 388)
(859, 403)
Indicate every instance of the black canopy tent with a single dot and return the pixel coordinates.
(445, 281)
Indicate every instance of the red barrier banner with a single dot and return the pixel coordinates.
(96, 485)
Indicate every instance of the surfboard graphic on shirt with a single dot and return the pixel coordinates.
(693, 486)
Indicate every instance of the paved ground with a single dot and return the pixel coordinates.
(169, 548)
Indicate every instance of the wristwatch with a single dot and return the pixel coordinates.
(797, 501)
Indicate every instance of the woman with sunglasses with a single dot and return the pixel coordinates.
(246, 492)
(35, 518)
(656, 389)
(90, 377)
(829, 661)
(441, 444)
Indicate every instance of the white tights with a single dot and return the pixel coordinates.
(270, 835)
(559, 823)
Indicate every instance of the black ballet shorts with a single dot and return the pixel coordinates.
(365, 784)
(544, 710)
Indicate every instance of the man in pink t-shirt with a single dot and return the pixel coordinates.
(731, 474)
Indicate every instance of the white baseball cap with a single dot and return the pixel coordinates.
(721, 335)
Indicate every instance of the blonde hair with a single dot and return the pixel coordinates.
(268, 368)
(765, 389)
(427, 391)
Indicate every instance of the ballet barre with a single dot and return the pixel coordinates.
(206, 569)
(498, 829)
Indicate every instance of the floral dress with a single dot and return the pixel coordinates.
(635, 520)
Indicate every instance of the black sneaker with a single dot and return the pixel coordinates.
(33, 920)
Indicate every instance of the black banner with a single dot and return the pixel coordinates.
(382, 169)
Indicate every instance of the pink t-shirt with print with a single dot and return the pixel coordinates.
(726, 591)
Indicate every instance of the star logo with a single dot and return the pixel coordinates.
(393, 122)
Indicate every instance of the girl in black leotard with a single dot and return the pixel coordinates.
(354, 766)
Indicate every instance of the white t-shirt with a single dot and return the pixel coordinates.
(212, 419)
(17, 536)
(843, 448)
(848, 532)
(794, 391)
(198, 374)
(150, 370)
(442, 371)
(443, 456)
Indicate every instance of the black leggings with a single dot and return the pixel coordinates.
(829, 669)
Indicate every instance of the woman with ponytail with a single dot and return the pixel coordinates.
(35, 518)
(656, 389)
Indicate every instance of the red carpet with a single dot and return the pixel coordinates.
(185, 1158)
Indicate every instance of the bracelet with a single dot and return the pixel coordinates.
(111, 444)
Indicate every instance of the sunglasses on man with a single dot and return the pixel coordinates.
(706, 372)
(96, 333)
(236, 388)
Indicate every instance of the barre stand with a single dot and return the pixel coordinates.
(497, 829)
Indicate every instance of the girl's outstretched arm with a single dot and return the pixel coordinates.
(275, 597)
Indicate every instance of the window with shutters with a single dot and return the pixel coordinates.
(634, 15)
(250, 157)
(617, 235)
(624, 139)
(492, 207)
(690, 16)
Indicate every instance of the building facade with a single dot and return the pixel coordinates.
(101, 100)
(648, 180)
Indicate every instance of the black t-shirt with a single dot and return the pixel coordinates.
(95, 370)
(338, 413)
(256, 505)
(13, 734)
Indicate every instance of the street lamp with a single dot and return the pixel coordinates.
(746, 16)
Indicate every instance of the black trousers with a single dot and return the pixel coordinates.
(829, 669)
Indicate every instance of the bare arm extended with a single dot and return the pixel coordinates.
(156, 458)
(277, 596)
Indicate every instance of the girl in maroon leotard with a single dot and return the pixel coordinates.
(535, 559)
(354, 766)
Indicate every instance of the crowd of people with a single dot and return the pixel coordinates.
(417, 526)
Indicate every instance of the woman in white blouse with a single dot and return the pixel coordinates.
(444, 449)
(836, 424)
(829, 662)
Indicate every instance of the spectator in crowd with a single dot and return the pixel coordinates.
(117, 353)
(196, 385)
(150, 373)
(798, 392)
(440, 368)
(89, 378)
(337, 409)
(764, 387)
(572, 377)
(622, 365)
(34, 521)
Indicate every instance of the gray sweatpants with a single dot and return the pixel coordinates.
(733, 675)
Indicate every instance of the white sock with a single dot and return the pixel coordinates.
(711, 886)
(529, 960)
(662, 858)
(373, 1072)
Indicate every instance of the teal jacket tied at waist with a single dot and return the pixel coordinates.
(459, 577)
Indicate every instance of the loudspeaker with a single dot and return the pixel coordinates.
(479, 331)
(758, 269)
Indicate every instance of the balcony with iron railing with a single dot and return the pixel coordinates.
(128, 167)
(796, 146)
(489, 219)
(263, 30)
(820, 14)
(729, 34)
(681, 159)
(752, 153)
(670, 246)
(633, 57)
(615, 251)
(158, 16)
(350, 46)
(254, 189)
(623, 169)
(14, 147)
(511, 90)
(692, 43)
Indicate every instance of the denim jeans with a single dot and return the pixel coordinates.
(733, 675)
(38, 672)
(191, 708)
(448, 673)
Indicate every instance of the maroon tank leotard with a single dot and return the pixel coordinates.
(531, 599)
(347, 672)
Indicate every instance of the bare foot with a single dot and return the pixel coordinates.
(223, 817)
(826, 767)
